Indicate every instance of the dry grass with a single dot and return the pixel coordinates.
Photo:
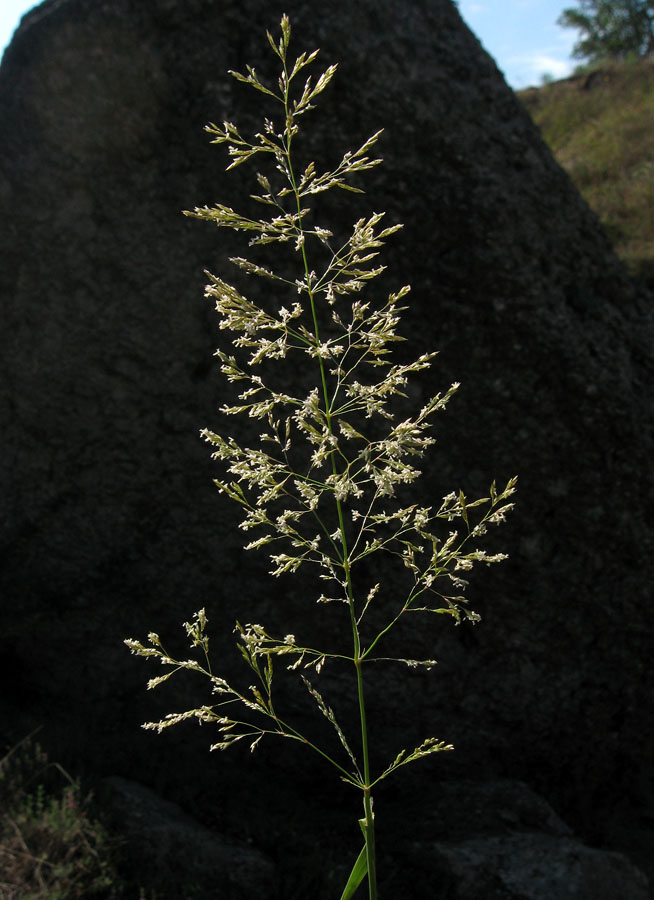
(600, 126)
(49, 846)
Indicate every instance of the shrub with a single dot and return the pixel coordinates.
(50, 847)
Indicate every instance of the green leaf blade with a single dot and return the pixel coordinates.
(358, 873)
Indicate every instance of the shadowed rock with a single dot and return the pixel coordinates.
(110, 525)
(500, 841)
(188, 859)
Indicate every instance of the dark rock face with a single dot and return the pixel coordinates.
(110, 525)
(500, 841)
(496, 840)
(162, 838)
(530, 867)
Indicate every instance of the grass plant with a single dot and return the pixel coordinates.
(321, 489)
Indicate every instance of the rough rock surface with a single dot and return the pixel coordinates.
(500, 841)
(492, 840)
(110, 526)
(529, 867)
(189, 860)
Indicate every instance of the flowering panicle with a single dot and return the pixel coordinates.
(321, 487)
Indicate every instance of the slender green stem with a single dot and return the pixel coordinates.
(370, 844)
(367, 796)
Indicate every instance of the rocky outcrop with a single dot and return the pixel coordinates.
(529, 867)
(187, 859)
(493, 840)
(110, 526)
(500, 841)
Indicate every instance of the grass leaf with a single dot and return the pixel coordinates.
(358, 873)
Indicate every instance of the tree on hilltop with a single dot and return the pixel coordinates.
(611, 29)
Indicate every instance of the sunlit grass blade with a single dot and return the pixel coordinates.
(358, 873)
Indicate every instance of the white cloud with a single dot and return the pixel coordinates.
(470, 8)
(530, 67)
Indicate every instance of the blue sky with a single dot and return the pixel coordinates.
(521, 35)
(523, 38)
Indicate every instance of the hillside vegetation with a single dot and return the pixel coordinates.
(600, 126)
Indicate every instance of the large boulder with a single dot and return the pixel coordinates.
(499, 841)
(110, 525)
(189, 860)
